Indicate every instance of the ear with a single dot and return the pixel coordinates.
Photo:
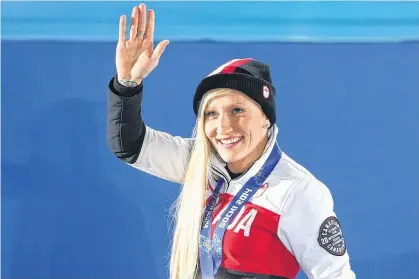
(267, 123)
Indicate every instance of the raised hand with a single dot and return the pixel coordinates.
(136, 57)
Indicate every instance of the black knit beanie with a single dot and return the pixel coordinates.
(248, 76)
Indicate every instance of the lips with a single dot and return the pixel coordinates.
(230, 142)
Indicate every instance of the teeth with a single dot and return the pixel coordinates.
(229, 141)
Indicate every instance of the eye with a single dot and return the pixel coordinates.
(210, 113)
(237, 111)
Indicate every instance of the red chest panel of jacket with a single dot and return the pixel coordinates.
(251, 244)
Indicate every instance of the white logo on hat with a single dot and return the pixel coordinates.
(266, 92)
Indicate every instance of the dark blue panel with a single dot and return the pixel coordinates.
(348, 112)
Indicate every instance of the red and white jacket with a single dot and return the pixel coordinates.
(288, 224)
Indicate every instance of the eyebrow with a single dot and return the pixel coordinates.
(235, 103)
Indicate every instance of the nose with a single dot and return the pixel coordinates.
(224, 124)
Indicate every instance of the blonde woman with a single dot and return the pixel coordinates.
(246, 209)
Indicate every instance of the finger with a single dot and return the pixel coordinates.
(122, 28)
(134, 23)
(159, 50)
(142, 17)
(150, 25)
(148, 46)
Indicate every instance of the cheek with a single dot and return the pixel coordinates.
(256, 131)
(210, 130)
(247, 125)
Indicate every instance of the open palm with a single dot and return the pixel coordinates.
(136, 56)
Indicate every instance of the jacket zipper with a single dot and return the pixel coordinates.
(220, 173)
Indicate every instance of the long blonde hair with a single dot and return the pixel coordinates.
(189, 206)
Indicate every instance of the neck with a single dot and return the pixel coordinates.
(244, 164)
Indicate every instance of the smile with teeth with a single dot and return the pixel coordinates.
(231, 141)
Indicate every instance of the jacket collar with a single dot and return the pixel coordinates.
(218, 166)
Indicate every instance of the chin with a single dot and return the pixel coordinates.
(230, 157)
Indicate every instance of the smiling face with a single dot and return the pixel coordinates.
(237, 128)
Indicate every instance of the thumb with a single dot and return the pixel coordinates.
(158, 51)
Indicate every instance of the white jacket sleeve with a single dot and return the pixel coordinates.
(310, 229)
(144, 148)
(164, 155)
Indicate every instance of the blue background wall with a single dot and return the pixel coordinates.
(347, 110)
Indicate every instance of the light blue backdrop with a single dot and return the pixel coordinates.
(234, 20)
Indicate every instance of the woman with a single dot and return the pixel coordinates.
(246, 209)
